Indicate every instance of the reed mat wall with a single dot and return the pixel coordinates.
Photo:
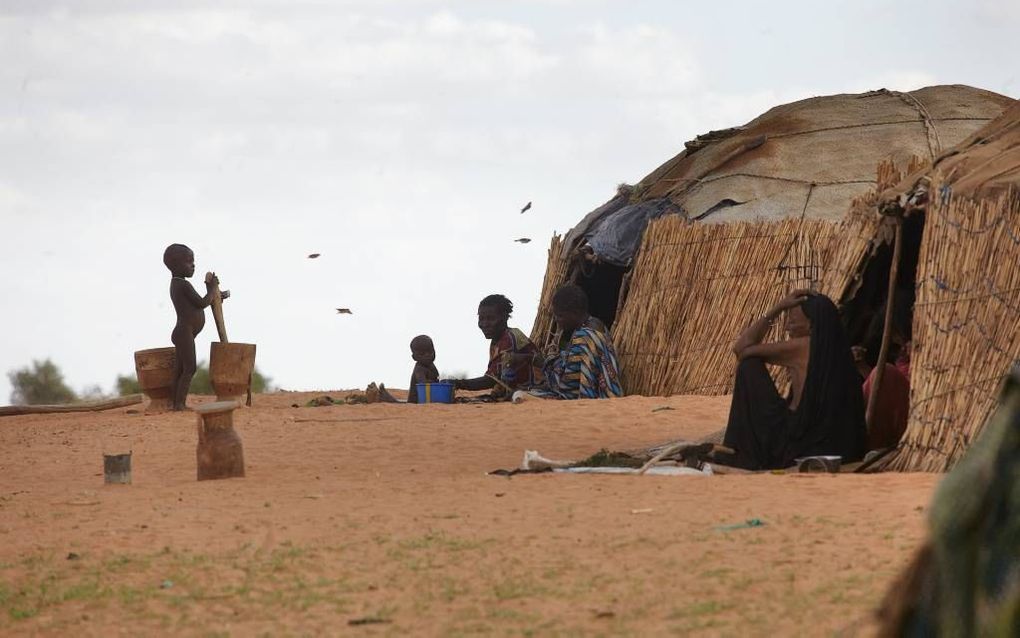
(694, 287)
(556, 273)
(966, 325)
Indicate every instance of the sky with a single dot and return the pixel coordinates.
(398, 139)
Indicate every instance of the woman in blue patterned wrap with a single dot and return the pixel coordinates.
(587, 367)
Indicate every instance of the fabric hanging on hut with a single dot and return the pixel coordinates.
(617, 237)
(592, 220)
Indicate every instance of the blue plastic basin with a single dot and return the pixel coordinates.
(434, 392)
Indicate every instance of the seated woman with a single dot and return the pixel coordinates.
(824, 413)
(586, 368)
(511, 353)
(593, 322)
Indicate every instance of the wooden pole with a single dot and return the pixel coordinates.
(883, 353)
(92, 406)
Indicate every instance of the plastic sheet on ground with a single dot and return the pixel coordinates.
(659, 470)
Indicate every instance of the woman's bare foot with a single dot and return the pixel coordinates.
(385, 396)
(372, 393)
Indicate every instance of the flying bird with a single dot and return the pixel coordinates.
(526, 207)
(314, 256)
(344, 311)
(522, 240)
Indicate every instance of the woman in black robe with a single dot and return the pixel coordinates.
(824, 413)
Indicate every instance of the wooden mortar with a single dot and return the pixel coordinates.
(219, 453)
(230, 364)
(230, 368)
(155, 371)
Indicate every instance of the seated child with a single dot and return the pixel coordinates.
(892, 408)
(424, 355)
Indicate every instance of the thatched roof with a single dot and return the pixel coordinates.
(807, 159)
(813, 157)
(984, 165)
(988, 162)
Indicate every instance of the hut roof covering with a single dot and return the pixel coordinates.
(988, 163)
(984, 165)
(813, 157)
(807, 159)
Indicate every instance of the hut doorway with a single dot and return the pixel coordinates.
(602, 282)
(864, 313)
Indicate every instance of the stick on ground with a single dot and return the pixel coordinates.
(89, 406)
(500, 382)
(677, 447)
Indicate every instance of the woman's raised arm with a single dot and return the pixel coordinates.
(754, 333)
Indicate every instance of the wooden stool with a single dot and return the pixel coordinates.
(219, 453)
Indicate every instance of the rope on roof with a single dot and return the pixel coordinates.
(929, 123)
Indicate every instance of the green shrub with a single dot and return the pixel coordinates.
(39, 384)
(127, 384)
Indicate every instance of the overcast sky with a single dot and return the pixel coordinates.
(398, 139)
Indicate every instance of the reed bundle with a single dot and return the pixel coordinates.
(889, 174)
(694, 287)
(556, 273)
(966, 324)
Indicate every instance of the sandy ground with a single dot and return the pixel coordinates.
(381, 520)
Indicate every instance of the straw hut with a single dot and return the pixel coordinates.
(678, 263)
(966, 317)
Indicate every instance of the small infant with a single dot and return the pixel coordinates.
(425, 371)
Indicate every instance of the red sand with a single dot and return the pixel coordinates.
(384, 514)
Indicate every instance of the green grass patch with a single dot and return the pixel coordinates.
(701, 608)
(517, 588)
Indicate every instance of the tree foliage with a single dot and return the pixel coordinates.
(200, 383)
(259, 382)
(43, 383)
(40, 383)
(127, 384)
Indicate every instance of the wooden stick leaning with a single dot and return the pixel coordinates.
(883, 352)
(677, 447)
(90, 406)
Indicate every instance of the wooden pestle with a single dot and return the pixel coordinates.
(217, 307)
(221, 328)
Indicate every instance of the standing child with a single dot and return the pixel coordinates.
(424, 355)
(190, 309)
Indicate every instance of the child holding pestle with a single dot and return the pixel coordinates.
(190, 309)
